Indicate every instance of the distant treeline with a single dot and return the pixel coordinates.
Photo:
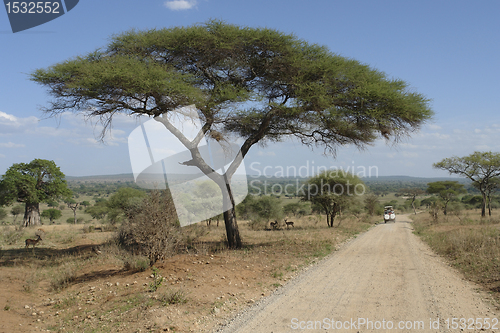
(105, 185)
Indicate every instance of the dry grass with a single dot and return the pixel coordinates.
(78, 271)
(471, 243)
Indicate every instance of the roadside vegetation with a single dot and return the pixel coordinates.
(469, 242)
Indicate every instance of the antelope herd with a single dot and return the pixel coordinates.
(275, 225)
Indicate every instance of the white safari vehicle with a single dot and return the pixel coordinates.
(389, 215)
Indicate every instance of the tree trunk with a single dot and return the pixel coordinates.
(413, 205)
(483, 205)
(31, 214)
(232, 232)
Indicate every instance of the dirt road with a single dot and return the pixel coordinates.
(384, 280)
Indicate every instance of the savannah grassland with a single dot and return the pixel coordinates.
(470, 243)
(79, 280)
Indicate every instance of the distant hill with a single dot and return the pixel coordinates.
(401, 181)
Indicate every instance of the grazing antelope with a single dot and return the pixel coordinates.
(33, 242)
(274, 224)
(288, 223)
(98, 228)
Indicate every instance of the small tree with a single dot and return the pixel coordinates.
(446, 190)
(52, 214)
(73, 205)
(371, 203)
(412, 193)
(257, 85)
(33, 183)
(291, 208)
(99, 210)
(16, 211)
(123, 202)
(268, 208)
(332, 191)
(481, 168)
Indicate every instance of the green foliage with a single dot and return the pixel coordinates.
(333, 191)
(482, 168)
(472, 201)
(446, 190)
(34, 182)
(3, 213)
(291, 208)
(99, 210)
(123, 202)
(16, 210)
(52, 203)
(51, 214)
(157, 280)
(372, 204)
(265, 207)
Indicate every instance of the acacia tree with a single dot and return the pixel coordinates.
(413, 193)
(33, 183)
(447, 190)
(492, 186)
(255, 84)
(332, 191)
(51, 214)
(371, 203)
(481, 168)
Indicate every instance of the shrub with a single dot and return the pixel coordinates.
(174, 297)
(157, 280)
(152, 229)
(136, 263)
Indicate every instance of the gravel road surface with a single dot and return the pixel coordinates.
(384, 280)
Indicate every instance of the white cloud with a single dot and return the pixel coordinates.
(11, 124)
(12, 145)
(434, 127)
(180, 4)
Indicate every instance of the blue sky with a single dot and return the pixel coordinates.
(446, 50)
